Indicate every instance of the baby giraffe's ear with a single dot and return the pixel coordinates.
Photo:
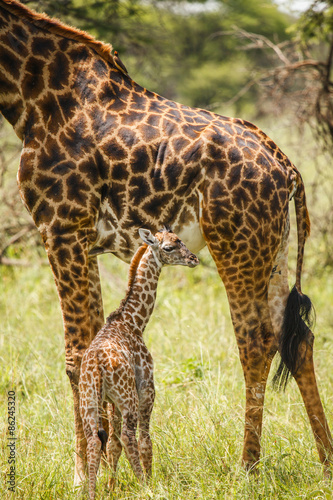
(147, 237)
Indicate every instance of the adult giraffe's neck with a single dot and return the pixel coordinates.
(138, 305)
(32, 67)
(50, 71)
(16, 76)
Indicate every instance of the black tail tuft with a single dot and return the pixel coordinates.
(298, 320)
(281, 377)
(103, 437)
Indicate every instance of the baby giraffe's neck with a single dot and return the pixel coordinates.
(137, 307)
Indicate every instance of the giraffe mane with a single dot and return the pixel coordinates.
(55, 26)
(131, 276)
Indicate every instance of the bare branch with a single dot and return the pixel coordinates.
(260, 41)
(16, 237)
(4, 261)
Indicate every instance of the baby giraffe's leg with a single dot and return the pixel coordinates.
(146, 403)
(128, 438)
(114, 446)
(90, 404)
(94, 451)
(89, 414)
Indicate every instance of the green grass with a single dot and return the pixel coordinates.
(197, 424)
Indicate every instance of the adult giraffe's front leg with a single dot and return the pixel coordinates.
(78, 285)
(305, 376)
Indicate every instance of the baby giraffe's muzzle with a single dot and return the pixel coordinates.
(192, 260)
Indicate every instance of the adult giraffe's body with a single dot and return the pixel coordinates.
(102, 156)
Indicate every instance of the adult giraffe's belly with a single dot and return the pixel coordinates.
(190, 231)
(120, 235)
(192, 236)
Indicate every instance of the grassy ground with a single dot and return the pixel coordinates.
(197, 425)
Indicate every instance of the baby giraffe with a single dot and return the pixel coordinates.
(118, 368)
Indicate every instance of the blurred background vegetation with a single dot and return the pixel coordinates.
(247, 58)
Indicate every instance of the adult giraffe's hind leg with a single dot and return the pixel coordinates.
(307, 384)
(305, 376)
(78, 286)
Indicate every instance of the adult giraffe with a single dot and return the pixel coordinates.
(102, 156)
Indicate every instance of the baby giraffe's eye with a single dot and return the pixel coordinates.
(168, 248)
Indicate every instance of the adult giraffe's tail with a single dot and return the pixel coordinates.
(298, 313)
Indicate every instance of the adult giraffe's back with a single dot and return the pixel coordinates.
(102, 156)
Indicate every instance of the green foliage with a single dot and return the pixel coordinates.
(316, 24)
(209, 63)
(209, 84)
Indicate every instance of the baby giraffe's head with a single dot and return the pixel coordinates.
(168, 249)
